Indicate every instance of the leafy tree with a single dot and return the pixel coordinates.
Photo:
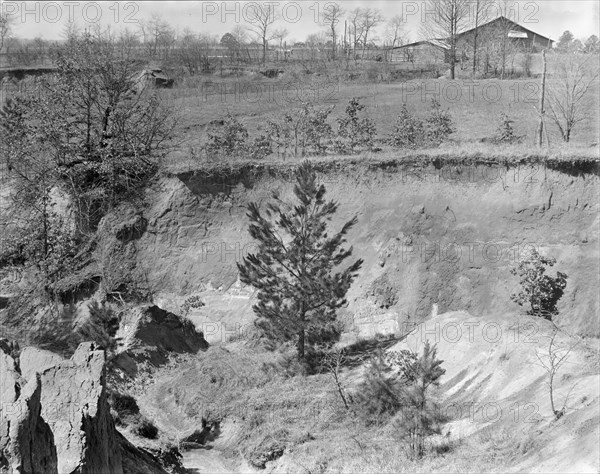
(229, 41)
(86, 135)
(538, 290)
(592, 45)
(565, 42)
(577, 46)
(297, 268)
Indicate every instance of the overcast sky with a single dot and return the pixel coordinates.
(47, 18)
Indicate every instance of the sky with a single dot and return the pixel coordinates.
(47, 19)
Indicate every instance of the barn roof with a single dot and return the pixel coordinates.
(443, 43)
(438, 43)
(504, 19)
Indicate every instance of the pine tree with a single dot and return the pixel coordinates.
(419, 416)
(297, 267)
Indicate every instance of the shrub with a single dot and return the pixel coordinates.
(231, 141)
(409, 131)
(124, 404)
(378, 398)
(439, 124)
(397, 388)
(145, 428)
(505, 132)
(191, 302)
(538, 290)
(303, 133)
(355, 133)
(260, 148)
(100, 327)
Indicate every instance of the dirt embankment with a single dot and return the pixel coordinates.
(431, 236)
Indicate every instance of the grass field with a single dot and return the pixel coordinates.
(475, 106)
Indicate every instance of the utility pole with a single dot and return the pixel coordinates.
(542, 101)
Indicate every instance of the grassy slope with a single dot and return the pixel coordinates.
(262, 411)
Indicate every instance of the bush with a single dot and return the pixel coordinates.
(409, 131)
(260, 148)
(303, 133)
(355, 133)
(128, 414)
(191, 302)
(538, 290)
(124, 404)
(145, 428)
(505, 132)
(379, 397)
(100, 327)
(397, 388)
(231, 141)
(439, 124)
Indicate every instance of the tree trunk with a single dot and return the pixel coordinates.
(302, 332)
(476, 32)
(301, 344)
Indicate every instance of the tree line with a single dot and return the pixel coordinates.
(342, 34)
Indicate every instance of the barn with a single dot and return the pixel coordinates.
(523, 39)
(437, 51)
(420, 52)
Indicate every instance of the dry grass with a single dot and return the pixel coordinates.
(301, 415)
(475, 108)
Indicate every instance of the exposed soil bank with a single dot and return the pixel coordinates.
(431, 234)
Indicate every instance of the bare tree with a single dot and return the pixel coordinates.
(393, 33)
(157, 35)
(370, 19)
(331, 17)
(332, 363)
(566, 93)
(191, 52)
(356, 28)
(481, 14)
(498, 47)
(70, 30)
(280, 35)
(261, 19)
(240, 33)
(551, 362)
(445, 20)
